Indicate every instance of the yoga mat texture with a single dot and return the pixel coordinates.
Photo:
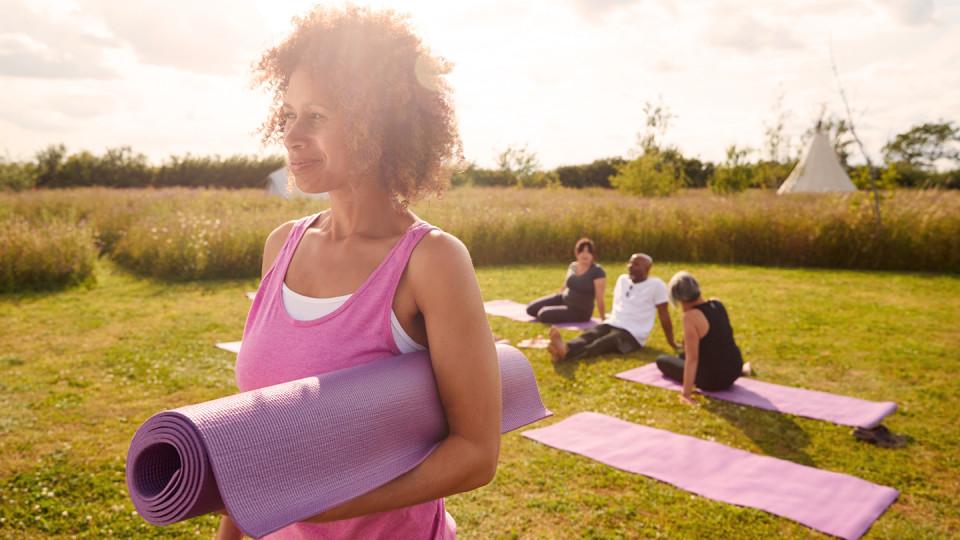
(518, 312)
(280, 454)
(841, 410)
(830, 502)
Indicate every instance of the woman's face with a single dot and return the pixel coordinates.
(585, 257)
(313, 136)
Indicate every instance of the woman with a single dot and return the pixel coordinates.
(711, 358)
(365, 115)
(584, 284)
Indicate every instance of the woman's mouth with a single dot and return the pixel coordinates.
(303, 164)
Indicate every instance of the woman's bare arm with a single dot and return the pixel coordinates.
(600, 288)
(468, 380)
(692, 332)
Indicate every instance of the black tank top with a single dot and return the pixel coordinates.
(720, 361)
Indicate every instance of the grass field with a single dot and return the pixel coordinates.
(81, 368)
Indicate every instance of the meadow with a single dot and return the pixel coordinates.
(83, 367)
(50, 238)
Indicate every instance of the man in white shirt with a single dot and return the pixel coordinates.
(638, 299)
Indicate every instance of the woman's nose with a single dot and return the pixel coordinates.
(293, 135)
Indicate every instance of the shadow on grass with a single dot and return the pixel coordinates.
(568, 368)
(776, 434)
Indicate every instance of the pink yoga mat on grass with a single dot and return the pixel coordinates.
(283, 453)
(518, 312)
(830, 502)
(841, 410)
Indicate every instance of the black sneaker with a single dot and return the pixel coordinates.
(880, 436)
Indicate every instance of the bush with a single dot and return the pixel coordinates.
(735, 175)
(17, 176)
(44, 255)
(121, 167)
(648, 175)
(233, 172)
(596, 174)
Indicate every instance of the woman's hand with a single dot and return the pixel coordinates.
(687, 399)
(228, 530)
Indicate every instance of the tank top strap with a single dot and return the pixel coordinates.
(282, 261)
(391, 272)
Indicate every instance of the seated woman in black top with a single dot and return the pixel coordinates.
(711, 358)
(584, 284)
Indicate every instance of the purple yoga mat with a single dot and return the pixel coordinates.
(842, 410)
(280, 454)
(518, 312)
(834, 503)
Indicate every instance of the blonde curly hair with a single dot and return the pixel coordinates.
(381, 77)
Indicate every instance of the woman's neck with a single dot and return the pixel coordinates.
(365, 209)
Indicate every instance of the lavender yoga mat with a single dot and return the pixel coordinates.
(842, 410)
(834, 503)
(280, 454)
(518, 312)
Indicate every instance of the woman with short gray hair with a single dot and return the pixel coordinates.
(711, 359)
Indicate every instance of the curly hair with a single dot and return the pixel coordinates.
(402, 124)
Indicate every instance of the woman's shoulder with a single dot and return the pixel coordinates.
(439, 249)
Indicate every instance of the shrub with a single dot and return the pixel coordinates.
(735, 175)
(648, 175)
(45, 255)
(17, 176)
(596, 174)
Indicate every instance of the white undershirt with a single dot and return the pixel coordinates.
(306, 308)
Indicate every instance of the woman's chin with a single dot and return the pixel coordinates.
(314, 185)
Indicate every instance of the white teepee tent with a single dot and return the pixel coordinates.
(277, 184)
(819, 170)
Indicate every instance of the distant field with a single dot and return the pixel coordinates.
(81, 368)
(50, 238)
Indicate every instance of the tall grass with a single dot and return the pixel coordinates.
(45, 254)
(202, 234)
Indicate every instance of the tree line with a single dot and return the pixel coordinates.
(54, 167)
(925, 156)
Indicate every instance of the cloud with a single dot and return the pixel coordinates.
(594, 9)
(211, 36)
(37, 44)
(909, 12)
(746, 33)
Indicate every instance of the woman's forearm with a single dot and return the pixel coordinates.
(690, 363)
(228, 530)
(455, 466)
(601, 308)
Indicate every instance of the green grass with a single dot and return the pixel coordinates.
(80, 369)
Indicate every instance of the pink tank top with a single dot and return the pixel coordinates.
(278, 348)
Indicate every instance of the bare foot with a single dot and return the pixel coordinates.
(747, 371)
(557, 347)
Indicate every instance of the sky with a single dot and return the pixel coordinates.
(567, 79)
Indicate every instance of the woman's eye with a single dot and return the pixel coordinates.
(318, 116)
(289, 116)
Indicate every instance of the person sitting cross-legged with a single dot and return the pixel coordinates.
(638, 299)
(711, 358)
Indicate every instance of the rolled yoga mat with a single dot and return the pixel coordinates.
(283, 453)
(841, 410)
(830, 502)
(518, 312)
